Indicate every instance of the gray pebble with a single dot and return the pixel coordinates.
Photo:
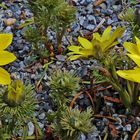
(82, 137)
(41, 116)
(128, 127)
(109, 21)
(90, 27)
(30, 128)
(41, 125)
(60, 58)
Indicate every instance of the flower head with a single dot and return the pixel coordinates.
(5, 57)
(98, 46)
(134, 53)
(85, 50)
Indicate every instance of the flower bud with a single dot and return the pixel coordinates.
(14, 95)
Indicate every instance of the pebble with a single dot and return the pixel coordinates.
(90, 27)
(128, 127)
(8, 29)
(9, 13)
(91, 17)
(41, 116)
(109, 21)
(82, 20)
(61, 58)
(89, 9)
(30, 128)
(41, 125)
(10, 21)
(87, 20)
(82, 137)
(93, 136)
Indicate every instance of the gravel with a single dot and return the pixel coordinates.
(88, 17)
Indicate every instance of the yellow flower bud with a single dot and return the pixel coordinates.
(15, 94)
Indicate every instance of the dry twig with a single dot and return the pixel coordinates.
(98, 2)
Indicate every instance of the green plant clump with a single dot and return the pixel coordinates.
(17, 106)
(101, 48)
(131, 15)
(56, 15)
(68, 123)
(64, 82)
(72, 123)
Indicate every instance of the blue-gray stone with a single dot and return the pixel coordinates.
(30, 128)
(109, 21)
(41, 116)
(90, 27)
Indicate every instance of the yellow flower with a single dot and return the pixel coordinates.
(15, 94)
(108, 38)
(5, 57)
(98, 46)
(134, 53)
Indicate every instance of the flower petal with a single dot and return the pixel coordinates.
(108, 44)
(135, 58)
(117, 33)
(130, 47)
(6, 57)
(5, 40)
(106, 33)
(132, 75)
(4, 77)
(96, 36)
(74, 57)
(138, 44)
(74, 48)
(85, 43)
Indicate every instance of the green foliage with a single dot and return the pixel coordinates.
(72, 123)
(14, 117)
(56, 15)
(113, 60)
(32, 35)
(133, 1)
(98, 75)
(131, 15)
(128, 15)
(64, 83)
(53, 13)
(67, 123)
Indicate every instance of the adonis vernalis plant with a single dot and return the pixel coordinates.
(98, 45)
(5, 58)
(100, 48)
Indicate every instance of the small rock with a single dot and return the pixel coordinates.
(41, 116)
(128, 127)
(8, 29)
(41, 125)
(81, 20)
(90, 17)
(9, 21)
(83, 137)
(30, 128)
(103, 6)
(60, 57)
(109, 21)
(90, 27)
